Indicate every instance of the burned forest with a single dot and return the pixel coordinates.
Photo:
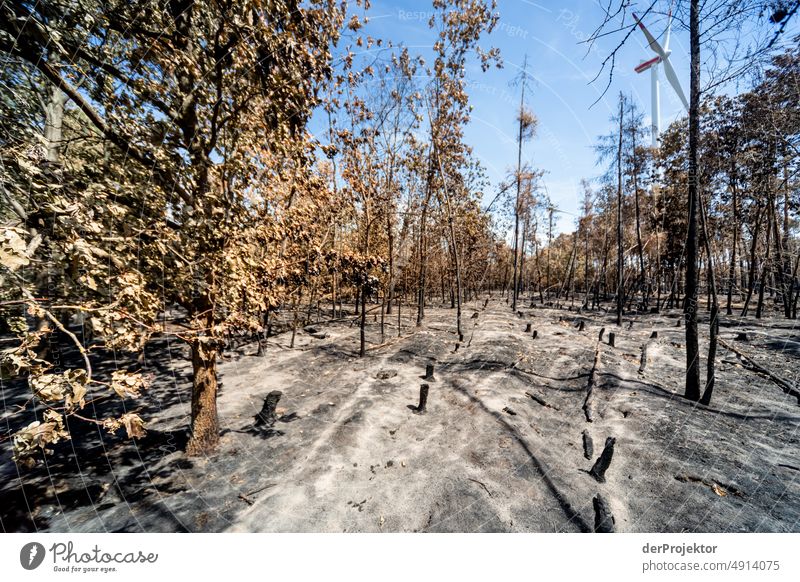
(258, 274)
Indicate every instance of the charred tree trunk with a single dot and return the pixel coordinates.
(690, 300)
(362, 350)
(454, 252)
(783, 274)
(751, 272)
(620, 291)
(586, 290)
(788, 274)
(639, 245)
(714, 316)
(732, 265)
(423, 259)
(764, 268)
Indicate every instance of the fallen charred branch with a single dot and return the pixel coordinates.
(587, 403)
(751, 364)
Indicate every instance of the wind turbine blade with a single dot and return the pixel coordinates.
(672, 77)
(650, 39)
(669, 29)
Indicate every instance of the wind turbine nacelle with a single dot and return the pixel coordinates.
(644, 65)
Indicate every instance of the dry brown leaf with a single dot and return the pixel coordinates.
(719, 490)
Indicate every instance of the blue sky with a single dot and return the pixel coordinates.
(562, 67)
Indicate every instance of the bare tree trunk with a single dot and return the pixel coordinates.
(521, 278)
(764, 268)
(732, 266)
(204, 433)
(363, 333)
(54, 123)
(390, 287)
(789, 274)
(751, 274)
(639, 245)
(364, 287)
(659, 272)
(549, 245)
(782, 271)
(517, 202)
(423, 259)
(714, 316)
(295, 308)
(586, 266)
(454, 251)
(603, 268)
(794, 283)
(620, 291)
(690, 300)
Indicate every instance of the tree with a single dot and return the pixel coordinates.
(527, 123)
(199, 96)
(459, 31)
(690, 297)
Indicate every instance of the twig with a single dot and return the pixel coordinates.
(246, 496)
(64, 330)
(482, 485)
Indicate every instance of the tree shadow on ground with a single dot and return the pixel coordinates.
(94, 466)
(544, 472)
(677, 398)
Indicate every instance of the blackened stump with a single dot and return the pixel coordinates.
(643, 359)
(601, 465)
(267, 415)
(429, 372)
(602, 332)
(654, 335)
(527, 328)
(535, 333)
(423, 400)
(581, 325)
(588, 445)
(612, 338)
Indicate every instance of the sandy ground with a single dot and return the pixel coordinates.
(350, 454)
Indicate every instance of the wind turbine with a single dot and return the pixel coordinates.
(661, 58)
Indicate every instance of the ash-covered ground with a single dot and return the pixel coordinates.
(500, 447)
